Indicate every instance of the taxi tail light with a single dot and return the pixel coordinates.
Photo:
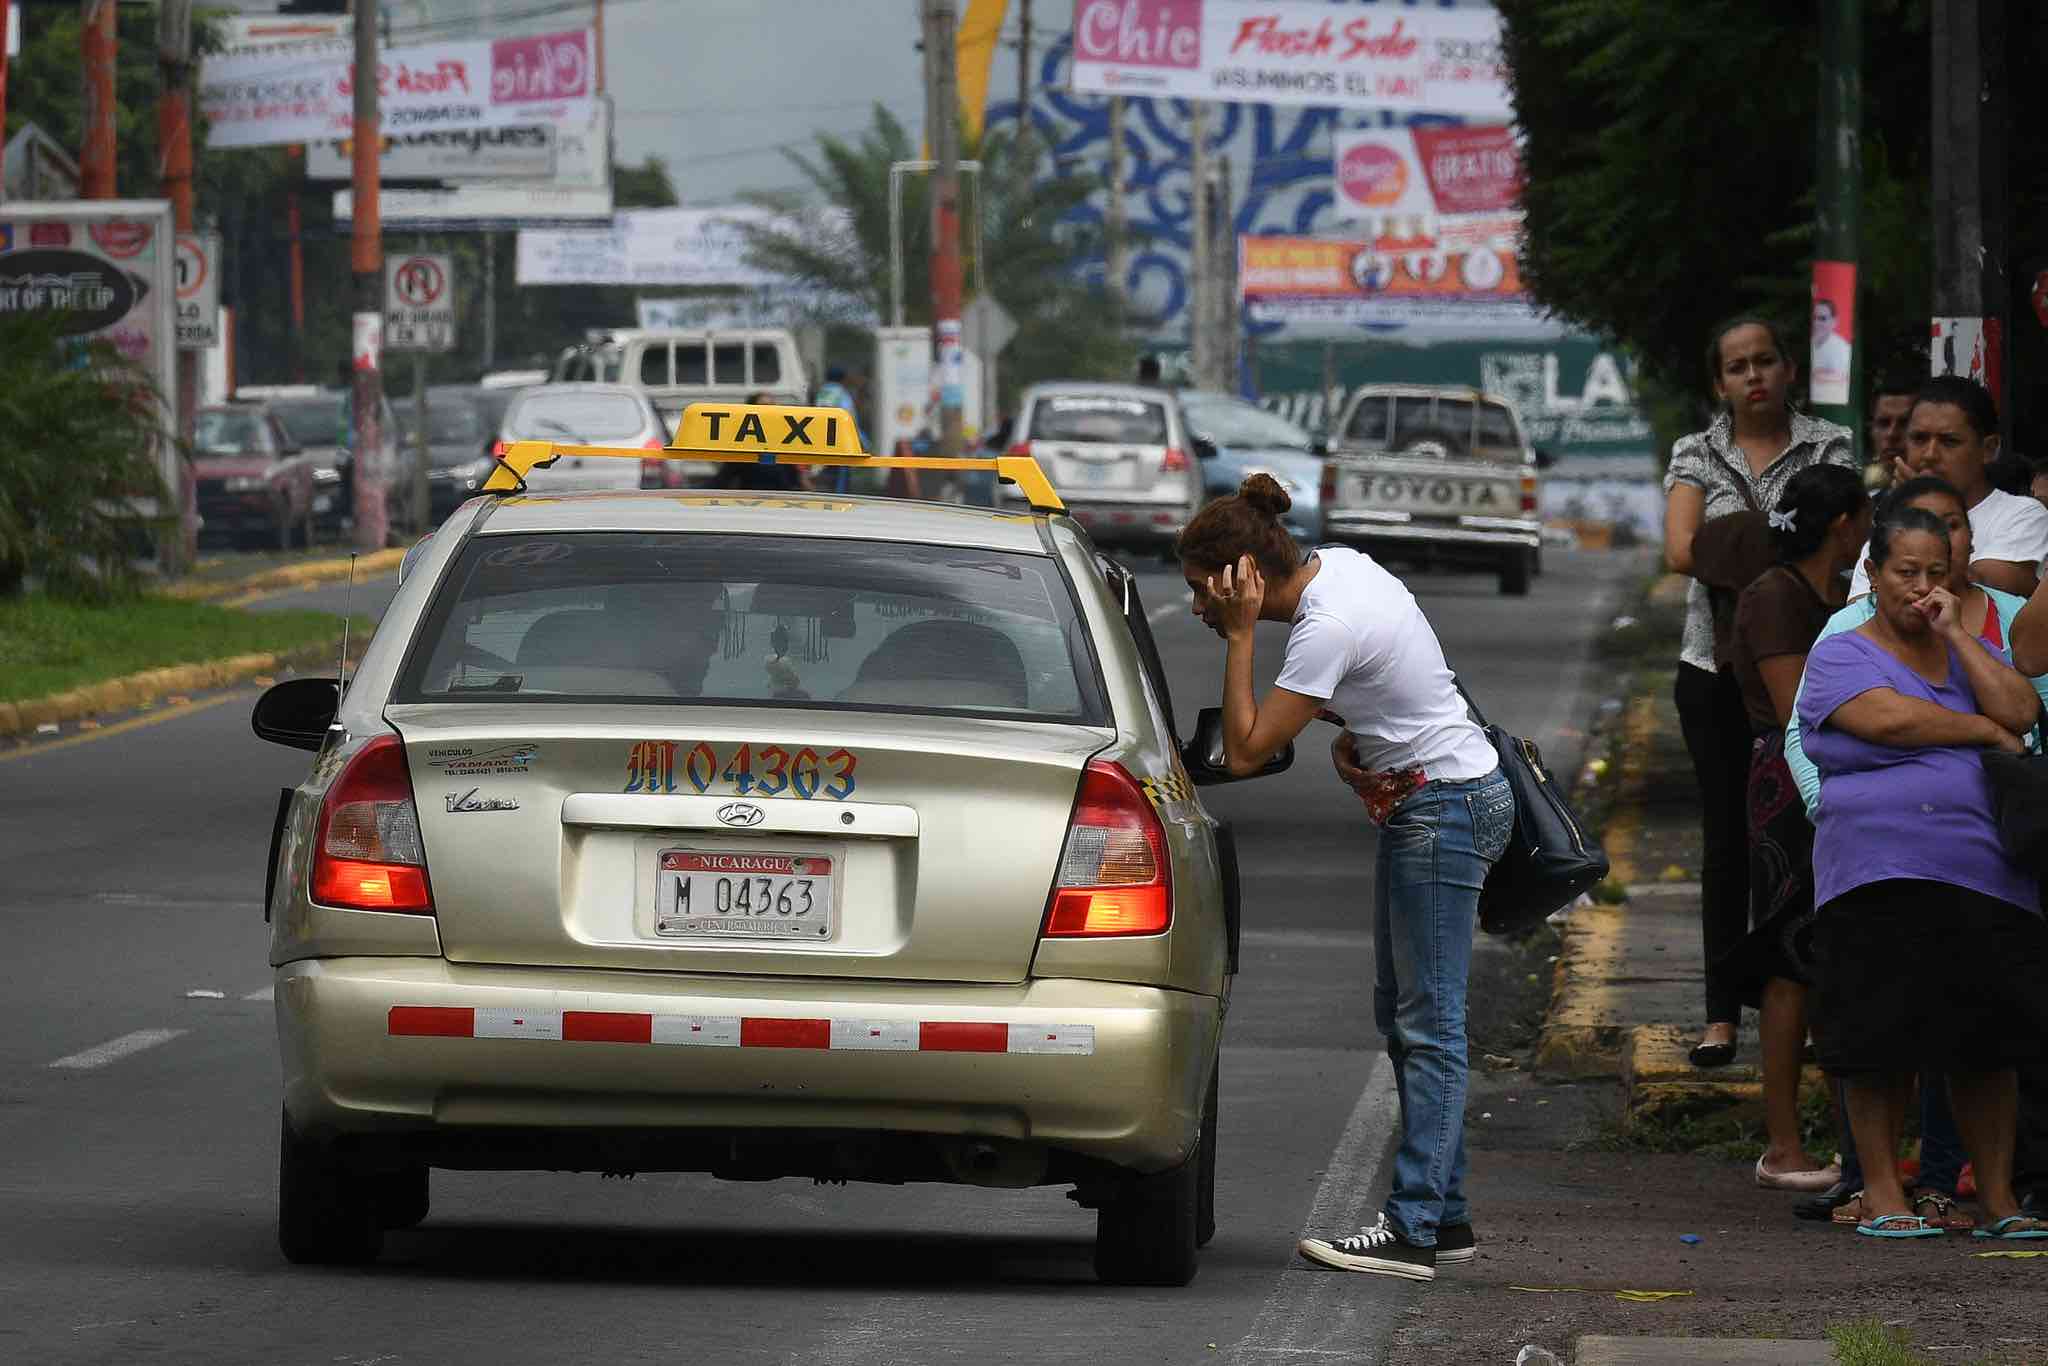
(1175, 461)
(1022, 449)
(1114, 874)
(652, 473)
(1529, 494)
(1326, 487)
(367, 853)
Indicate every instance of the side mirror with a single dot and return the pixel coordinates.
(1205, 449)
(1319, 445)
(1544, 459)
(297, 712)
(1203, 755)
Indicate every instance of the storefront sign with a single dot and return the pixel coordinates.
(1306, 279)
(1294, 52)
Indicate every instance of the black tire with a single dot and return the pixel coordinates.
(283, 528)
(1514, 574)
(1151, 1231)
(402, 1197)
(1205, 1187)
(325, 1211)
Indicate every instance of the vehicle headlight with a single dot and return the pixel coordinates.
(247, 483)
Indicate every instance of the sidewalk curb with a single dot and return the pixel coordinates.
(287, 577)
(138, 689)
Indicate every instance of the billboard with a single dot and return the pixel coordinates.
(1445, 61)
(276, 95)
(648, 247)
(569, 155)
(1354, 282)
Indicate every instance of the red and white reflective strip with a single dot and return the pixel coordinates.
(739, 1031)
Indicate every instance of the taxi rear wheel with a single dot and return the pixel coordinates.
(402, 1197)
(1149, 1232)
(325, 1210)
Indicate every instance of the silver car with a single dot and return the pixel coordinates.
(1121, 456)
(595, 415)
(761, 835)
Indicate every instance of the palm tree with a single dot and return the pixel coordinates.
(1036, 251)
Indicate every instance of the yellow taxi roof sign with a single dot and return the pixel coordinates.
(766, 429)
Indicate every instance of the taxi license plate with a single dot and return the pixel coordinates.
(710, 895)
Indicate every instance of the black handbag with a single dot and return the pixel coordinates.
(2019, 787)
(1550, 858)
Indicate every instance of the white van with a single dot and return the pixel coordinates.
(694, 365)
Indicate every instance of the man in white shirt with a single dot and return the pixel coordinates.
(1953, 432)
(1831, 351)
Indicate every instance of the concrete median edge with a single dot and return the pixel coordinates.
(139, 689)
(288, 576)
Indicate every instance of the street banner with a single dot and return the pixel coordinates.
(565, 156)
(1970, 347)
(281, 95)
(419, 302)
(1294, 52)
(108, 266)
(196, 272)
(497, 206)
(1834, 331)
(294, 35)
(1350, 282)
(648, 247)
(1430, 188)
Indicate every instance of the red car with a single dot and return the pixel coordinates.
(255, 482)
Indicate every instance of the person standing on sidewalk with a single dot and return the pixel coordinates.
(1909, 865)
(1360, 652)
(1740, 463)
(1816, 529)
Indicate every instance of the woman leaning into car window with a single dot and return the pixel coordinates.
(1360, 652)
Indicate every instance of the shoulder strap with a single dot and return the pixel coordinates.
(1741, 480)
(1477, 714)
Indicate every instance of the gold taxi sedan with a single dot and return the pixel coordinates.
(760, 835)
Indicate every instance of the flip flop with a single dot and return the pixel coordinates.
(1945, 1213)
(2015, 1227)
(1898, 1226)
(1850, 1211)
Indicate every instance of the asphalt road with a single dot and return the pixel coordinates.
(138, 1097)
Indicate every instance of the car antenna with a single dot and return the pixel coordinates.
(341, 665)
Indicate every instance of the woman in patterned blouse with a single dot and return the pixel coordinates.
(1739, 464)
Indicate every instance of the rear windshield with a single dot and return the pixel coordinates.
(228, 431)
(584, 418)
(1098, 417)
(770, 621)
(1241, 424)
(312, 421)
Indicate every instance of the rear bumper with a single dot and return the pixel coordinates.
(391, 1046)
(1471, 536)
(1130, 523)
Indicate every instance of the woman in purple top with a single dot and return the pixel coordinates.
(1908, 864)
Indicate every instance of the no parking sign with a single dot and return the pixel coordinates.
(419, 303)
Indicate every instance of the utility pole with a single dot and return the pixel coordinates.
(366, 258)
(97, 39)
(941, 25)
(1114, 219)
(1198, 245)
(1838, 185)
(1023, 72)
(295, 227)
(174, 141)
(490, 301)
(6, 25)
(1971, 290)
(1223, 259)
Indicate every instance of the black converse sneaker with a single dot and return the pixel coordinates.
(1377, 1250)
(1455, 1244)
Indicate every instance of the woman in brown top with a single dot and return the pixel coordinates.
(1817, 527)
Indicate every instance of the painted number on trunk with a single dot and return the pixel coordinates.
(663, 766)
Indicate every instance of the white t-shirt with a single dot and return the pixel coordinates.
(2004, 526)
(1361, 642)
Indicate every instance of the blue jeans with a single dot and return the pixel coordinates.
(1435, 852)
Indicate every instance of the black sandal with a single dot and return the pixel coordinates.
(1712, 1054)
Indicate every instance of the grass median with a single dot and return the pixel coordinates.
(50, 645)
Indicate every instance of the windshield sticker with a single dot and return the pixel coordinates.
(1099, 405)
(469, 761)
(664, 766)
(527, 554)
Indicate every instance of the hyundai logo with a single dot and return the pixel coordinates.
(745, 815)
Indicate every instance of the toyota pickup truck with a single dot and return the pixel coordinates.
(1434, 474)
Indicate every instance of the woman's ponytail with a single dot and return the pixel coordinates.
(1244, 523)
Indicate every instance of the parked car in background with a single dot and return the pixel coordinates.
(460, 433)
(597, 415)
(254, 482)
(1120, 455)
(693, 365)
(318, 420)
(1249, 439)
(1434, 474)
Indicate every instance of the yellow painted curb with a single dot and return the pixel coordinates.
(134, 690)
(289, 576)
(1583, 1032)
(1658, 1079)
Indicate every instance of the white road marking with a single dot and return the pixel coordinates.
(1329, 1313)
(115, 1049)
(1167, 609)
(266, 994)
(205, 994)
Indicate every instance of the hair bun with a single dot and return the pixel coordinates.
(1263, 492)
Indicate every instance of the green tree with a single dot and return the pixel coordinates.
(1669, 166)
(1066, 327)
(78, 436)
